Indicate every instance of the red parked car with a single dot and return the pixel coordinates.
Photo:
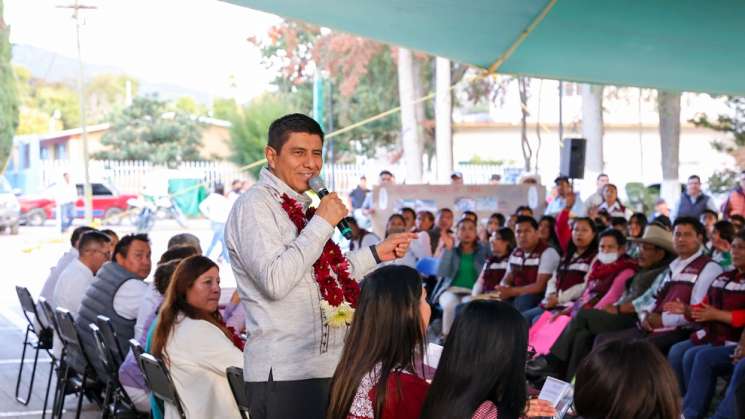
(107, 204)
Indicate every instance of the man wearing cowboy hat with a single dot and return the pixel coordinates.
(655, 254)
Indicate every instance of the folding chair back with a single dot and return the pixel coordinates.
(32, 315)
(108, 334)
(75, 355)
(238, 387)
(160, 382)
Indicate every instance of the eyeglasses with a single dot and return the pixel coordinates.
(106, 255)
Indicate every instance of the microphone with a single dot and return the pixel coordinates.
(316, 183)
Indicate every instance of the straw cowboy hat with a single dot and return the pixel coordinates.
(657, 236)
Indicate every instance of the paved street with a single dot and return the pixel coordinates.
(26, 260)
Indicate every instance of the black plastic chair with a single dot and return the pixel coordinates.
(238, 387)
(159, 380)
(38, 337)
(77, 373)
(116, 403)
(45, 310)
(108, 334)
(137, 350)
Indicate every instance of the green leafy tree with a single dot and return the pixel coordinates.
(106, 93)
(8, 95)
(147, 130)
(250, 125)
(188, 105)
(732, 127)
(362, 81)
(225, 108)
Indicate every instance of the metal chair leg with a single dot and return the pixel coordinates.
(60, 390)
(80, 396)
(52, 366)
(36, 348)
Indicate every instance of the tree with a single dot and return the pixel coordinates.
(224, 108)
(668, 104)
(106, 93)
(250, 125)
(188, 105)
(592, 129)
(732, 126)
(409, 128)
(362, 80)
(8, 97)
(147, 130)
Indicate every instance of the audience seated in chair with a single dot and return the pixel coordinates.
(129, 373)
(117, 292)
(708, 353)
(475, 381)
(532, 264)
(50, 283)
(94, 249)
(575, 342)
(380, 371)
(460, 265)
(194, 342)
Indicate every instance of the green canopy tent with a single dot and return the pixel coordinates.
(679, 45)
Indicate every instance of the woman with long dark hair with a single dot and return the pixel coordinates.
(637, 224)
(377, 376)
(547, 231)
(502, 243)
(622, 380)
(569, 281)
(191, 338)
(481, 373)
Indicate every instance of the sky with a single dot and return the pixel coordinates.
(199, 44)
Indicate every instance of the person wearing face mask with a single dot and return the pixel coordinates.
(686, 283)
(605, 283)
(575, 342)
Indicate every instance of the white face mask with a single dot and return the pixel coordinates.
(607, 258)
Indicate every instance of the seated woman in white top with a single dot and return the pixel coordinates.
(194, 342)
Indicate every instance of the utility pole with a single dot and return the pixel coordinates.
(88, 194)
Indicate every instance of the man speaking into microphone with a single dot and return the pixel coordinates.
(299, 292)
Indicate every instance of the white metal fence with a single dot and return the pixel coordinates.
(131, 176)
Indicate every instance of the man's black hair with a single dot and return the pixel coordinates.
(77, 233)
(526, 219)
(693, 222)
(122, 248)
(726, 231)
(710, 211)
(92, 237)
(523, 208)
(618, 221)
(617, 236)
(280, 129)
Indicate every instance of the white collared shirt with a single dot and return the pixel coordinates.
(700, 288)
(71, 286)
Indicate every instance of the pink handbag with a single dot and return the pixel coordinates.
(544, 332)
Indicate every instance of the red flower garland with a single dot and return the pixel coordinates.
(333, 290)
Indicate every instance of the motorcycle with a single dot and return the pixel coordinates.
(144, 211)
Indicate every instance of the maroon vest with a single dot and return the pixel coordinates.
(574, 271)
(680, 287)
(494, 271)
(524, 266)
(727, 292)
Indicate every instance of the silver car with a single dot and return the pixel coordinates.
(10, 209)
